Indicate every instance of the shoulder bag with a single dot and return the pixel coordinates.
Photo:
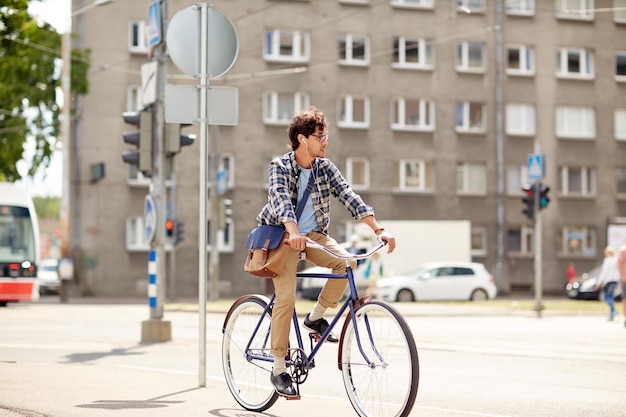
(267, 252)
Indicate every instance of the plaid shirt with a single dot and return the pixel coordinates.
(283, 193)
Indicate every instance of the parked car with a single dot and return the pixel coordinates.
(48, 277)
(584, 288)
(440, 281)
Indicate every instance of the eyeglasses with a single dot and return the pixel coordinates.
(321, 138)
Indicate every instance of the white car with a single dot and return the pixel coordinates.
(443, 281)
(48, 277)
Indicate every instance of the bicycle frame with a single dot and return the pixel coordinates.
(350, 303)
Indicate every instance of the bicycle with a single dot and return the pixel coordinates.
(375, 347)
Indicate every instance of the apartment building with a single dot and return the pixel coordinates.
(434, 107)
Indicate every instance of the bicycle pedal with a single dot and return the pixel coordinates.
(315, 336)
(291, 397)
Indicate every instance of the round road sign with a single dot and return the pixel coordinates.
(184, 41)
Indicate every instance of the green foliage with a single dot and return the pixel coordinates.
(47, 207)
(29, 79)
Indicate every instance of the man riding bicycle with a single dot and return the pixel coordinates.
(289, 176)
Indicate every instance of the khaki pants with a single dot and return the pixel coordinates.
(285, 288)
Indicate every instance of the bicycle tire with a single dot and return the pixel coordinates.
(389, 387)
(248, 380)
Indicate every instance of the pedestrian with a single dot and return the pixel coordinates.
(621, 267)
(570, 271)
(607, 281)
(289, 175)
(373, 271)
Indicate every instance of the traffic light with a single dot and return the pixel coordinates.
(529, 200)
(142, 139)
(179, 232)
(544, 200)
(169, 228)
(174, 139)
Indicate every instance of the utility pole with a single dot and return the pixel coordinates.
(156, 329)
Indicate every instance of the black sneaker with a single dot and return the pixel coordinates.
(283, 384)
(319, 326)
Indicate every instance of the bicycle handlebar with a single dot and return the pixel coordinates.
(311, 244)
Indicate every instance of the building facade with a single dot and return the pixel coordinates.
(434, 107)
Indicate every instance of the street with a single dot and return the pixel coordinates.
(75, 359)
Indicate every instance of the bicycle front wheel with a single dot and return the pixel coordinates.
(379, 362)
(248, 379)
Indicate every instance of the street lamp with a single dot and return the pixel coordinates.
(66, 71)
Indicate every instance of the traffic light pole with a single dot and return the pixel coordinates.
(538, 252)
(155, 329)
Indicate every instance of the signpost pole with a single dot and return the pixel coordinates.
(535, 174)
(216, 52)
(202, 227)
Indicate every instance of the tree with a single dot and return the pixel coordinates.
(29, 82)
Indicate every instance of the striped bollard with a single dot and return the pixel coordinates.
(152, 277)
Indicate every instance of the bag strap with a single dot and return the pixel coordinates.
(305, 196)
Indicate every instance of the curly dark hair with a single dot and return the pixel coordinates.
(305, 123)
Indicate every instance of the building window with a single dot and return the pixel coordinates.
(354, 49)
(469, 6)
(225, 236)
(354, 112)
(516, 177)
(416, 175)
(412, 114)
(520, 240)
(479, 241)
(412, 53)
(470, 117)
(137, 37)
(418, 4)
(134, 98)
(471, 178)
(574, 63)
(363, 2)
(620, 124)
(620, 181)
(520, 7)
(520, 60)
(136, 178)
(136, 234)
(279, 108)
(574, 9)
(575, 123)
(620, 65)
(577, 240)
(520, 119)
(470, 57)
(577, 181)
(286, 46)
(619, 11)
(358, 173)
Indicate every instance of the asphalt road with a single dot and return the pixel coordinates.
(66, 360)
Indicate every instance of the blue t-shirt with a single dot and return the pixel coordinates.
(307, 222)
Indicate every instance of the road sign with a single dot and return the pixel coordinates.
(149, 218)
(154, 24)
(148, 83)
(535, 167)
(182, 105)
(184, 41)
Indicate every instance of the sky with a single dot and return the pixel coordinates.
(55, 12)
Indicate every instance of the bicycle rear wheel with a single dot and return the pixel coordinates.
(387, 386)
(248, 379)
